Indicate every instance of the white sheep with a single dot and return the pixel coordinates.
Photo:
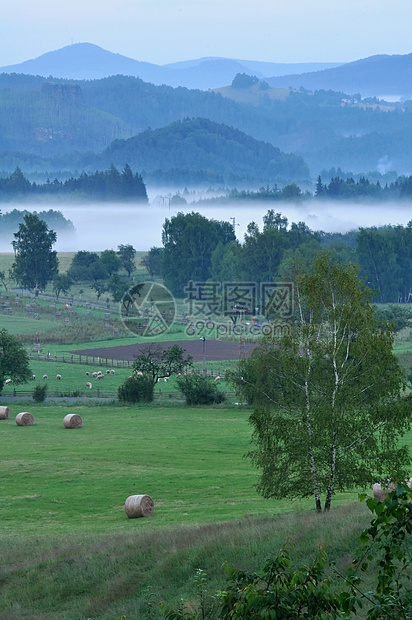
(94, 374)
(8, 382)
(166, 379)
(45, 377)
(58, 377)
(33, 377)
(100, 377)
(87, 374)
(112, 371)
(139, 373)
(217, 378)
(89, 385)
(107, 372)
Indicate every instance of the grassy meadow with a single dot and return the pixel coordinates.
(67, 549)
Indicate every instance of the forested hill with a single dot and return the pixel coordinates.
(201, 144)
(48, 125)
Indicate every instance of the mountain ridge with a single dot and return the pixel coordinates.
(87, 61)
(376, 76)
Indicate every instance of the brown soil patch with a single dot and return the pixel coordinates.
(216, 350)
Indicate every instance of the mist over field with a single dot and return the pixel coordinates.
(102, 226)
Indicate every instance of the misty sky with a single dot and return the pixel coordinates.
(163, 31)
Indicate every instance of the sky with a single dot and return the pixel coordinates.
(165, 31)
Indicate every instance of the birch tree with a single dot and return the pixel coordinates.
(328, 407)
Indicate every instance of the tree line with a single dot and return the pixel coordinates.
(195, 248)
(104, 185)
(337, 188)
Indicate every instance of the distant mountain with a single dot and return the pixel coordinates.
(377, 76)
(86, 61)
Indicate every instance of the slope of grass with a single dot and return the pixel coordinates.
(76, 575)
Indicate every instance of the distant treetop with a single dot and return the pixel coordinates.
(243, 80)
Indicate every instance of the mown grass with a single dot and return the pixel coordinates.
(67, 548)
(189, 460)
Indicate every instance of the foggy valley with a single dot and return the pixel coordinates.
(100, 226)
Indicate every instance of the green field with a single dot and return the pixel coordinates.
(68, 549)
(189, 460)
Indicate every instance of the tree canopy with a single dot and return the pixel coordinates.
(328, 411)
(35, 262)
(14, 360)
(158, 363)
(189, 241)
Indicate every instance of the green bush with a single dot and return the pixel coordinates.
(199, 389)
(40, 393)
(136, 389)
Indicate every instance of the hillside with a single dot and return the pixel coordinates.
(46, 117)
(200, 144)
(49, 125)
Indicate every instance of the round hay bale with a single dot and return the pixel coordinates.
(72, 420)
(24, 419)
(4, 413)
(139, 506)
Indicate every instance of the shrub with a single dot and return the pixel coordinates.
(136, 389)
(40, 393)
(199, 389)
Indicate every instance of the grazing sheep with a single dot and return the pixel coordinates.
(87, 374)
(8, 382)
(107, 372)
(100, 377)
(217, 378)
(89, 385)
(58, 377)
(178, 375)
(94, 374)
(112, 371)
(166, 379)
(33, 377)
(45, 377)
(139, 373)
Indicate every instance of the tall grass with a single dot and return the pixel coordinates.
(79, 575)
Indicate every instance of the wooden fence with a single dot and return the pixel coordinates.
(98, 393)
(82, 359)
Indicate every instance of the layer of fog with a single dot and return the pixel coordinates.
(105, 226)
